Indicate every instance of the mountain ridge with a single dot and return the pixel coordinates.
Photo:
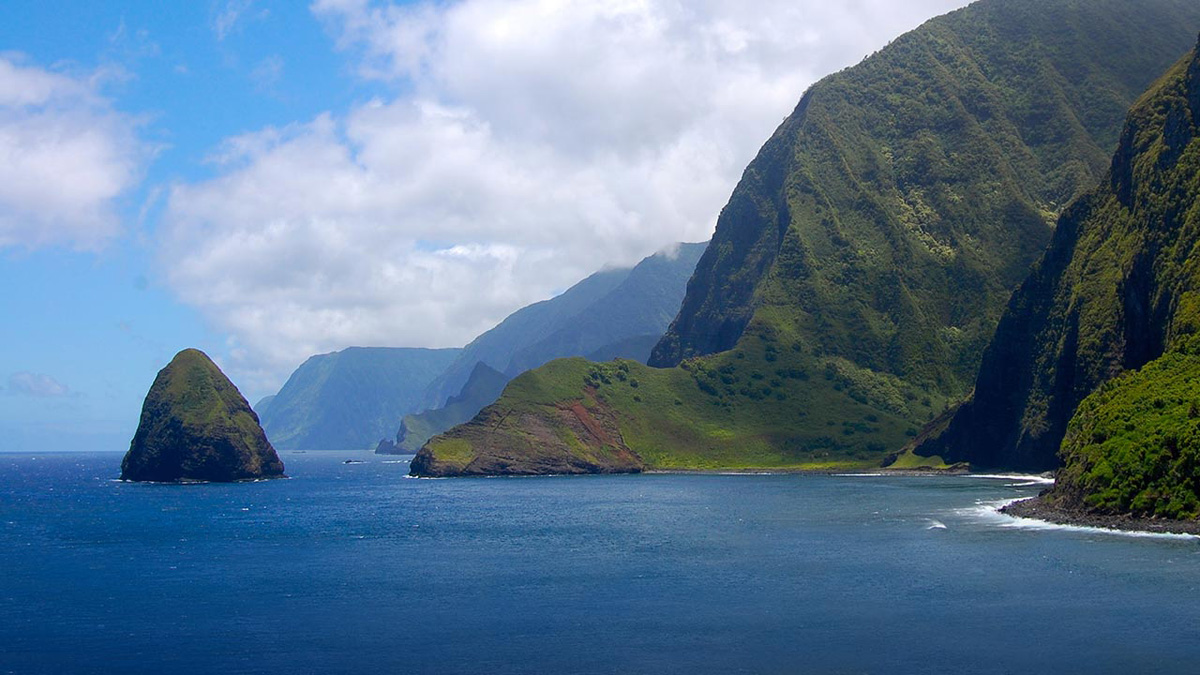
(876, 238)
(349, 399)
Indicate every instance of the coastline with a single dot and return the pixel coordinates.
(1035, 508)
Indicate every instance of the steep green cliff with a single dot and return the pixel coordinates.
(196, 426)
(1117, 287)
(888, 219)
(863, 261)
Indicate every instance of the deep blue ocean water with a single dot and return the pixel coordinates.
(353, 568)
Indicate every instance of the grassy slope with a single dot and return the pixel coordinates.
(201, 397)
(864, 259)
(731, 416)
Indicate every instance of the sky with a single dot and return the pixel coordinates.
(267, 180)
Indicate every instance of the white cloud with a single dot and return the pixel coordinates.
(230, 15)
(267, 74)
(37, 385)
(65, 157)
(535, 141)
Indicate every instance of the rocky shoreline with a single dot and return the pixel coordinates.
(1037, 509)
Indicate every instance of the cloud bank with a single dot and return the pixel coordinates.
(37, 385)
(529, 143)
(65, 157)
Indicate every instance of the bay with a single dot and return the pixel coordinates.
(348, 568)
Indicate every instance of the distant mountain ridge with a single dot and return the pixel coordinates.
(483, 387)
(353, 398)
(611, 306)
(348, 400)
(639, 308)
(497, 346)
(612, 314)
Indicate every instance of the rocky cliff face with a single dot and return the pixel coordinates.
(196, 426)
(1119, 285)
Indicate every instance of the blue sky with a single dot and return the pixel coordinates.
(99, 322)
(268, 180)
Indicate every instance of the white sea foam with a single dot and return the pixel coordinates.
(989, 512)
(1026, 478)
(935, 524)
(859, 475)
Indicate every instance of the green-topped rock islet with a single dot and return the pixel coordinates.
(197, 427)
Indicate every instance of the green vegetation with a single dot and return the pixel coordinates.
(910, 460)
(348, 400)
(698, 416)
(890, 217)
(1118, 287)
(1133, 445)
(863, 261)
(195, 425)
(540, 429)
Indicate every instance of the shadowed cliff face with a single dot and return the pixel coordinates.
(196, 426)
(1117, 287)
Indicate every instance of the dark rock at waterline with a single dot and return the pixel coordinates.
(197, 426)
(1041, 508)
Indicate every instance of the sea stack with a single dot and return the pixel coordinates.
(196, 426)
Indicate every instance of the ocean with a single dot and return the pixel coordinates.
(355, 568)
